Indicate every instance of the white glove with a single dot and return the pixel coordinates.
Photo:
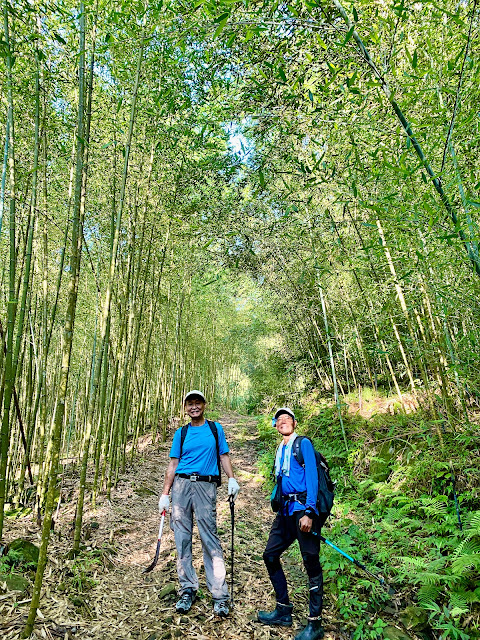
(164, 503)
(233, 488)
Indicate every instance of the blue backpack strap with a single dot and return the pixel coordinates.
(214, 430)
(297, 449)
(297, 452)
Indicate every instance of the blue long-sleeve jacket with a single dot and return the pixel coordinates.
(301, 479)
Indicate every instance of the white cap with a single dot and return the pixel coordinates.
(195, 392)
(284, 410)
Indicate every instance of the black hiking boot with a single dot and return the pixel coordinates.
(282, 615)
(313, 631)
(186, 600)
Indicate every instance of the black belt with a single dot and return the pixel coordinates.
(195, 477)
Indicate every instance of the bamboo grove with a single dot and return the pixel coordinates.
(233, 197)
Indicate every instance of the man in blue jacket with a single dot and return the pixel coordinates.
(193, 471)
(294, 521)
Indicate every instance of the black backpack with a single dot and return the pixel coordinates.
(326, 486)
(214, 430)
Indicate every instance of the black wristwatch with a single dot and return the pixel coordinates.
(309, 512)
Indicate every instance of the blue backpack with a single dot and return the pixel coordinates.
(326, 486)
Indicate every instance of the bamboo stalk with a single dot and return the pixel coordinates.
(76, 242)
(12, 300)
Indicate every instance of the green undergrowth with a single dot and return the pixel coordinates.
(395, 512)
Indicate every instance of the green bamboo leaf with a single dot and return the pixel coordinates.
(349, 35)
(222, 17)
(220, 28)
(59, 38)
(415, 59)
(282, 75)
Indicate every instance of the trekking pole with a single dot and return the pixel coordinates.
(160, 531)
(231, 500)
(356, 563)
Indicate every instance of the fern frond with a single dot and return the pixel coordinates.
(429, 578)
(395, 515)
(474, 521)
(427, 594)
(434, 506)
(459, 602)
(468, 546)
(465, 563)
(470, 596)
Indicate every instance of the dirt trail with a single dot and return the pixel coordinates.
(127, 604)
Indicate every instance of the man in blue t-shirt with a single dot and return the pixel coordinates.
(194, 471)
(295, 520)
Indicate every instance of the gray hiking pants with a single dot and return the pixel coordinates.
(200, 498)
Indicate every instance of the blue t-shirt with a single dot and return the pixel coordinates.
(301, 479)
(199, 451)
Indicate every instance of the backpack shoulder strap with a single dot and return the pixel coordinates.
(214, 430)
(183, 435)
(297, 449)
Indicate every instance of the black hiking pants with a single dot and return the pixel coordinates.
(284, 532)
